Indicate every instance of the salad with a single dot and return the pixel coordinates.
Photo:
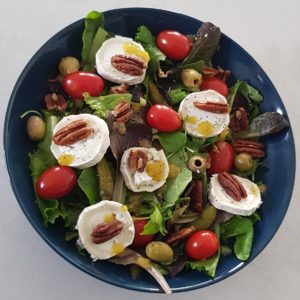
(148, 152)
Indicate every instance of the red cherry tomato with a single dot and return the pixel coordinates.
(77, 83)
(56, 182)
(173, 44)
(202, 244)
(163, 118)
(216, 84)
(222, 157)
(141, 240)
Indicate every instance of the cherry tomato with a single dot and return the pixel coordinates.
(173, 44)
(216, 84)
(202, 244)
(141, 240)
(222, 157)
(77, 83)
(163, 118)
(56, 182)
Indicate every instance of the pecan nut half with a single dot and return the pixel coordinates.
(218, 73)
(128, 64)
(123, 112)
(137, 160)
(239, 120)
(253, 148)
(180, 235)
(55, 101)
(119, 89)
(74, 132)
(232, 186)
(106, 231)
(213, 107)
(196, 197)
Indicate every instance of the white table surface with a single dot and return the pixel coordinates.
(269, 30)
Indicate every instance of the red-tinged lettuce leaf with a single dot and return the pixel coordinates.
(264, 124)
(205, 44)
(176, 267)
(128, 257)
(137, 135)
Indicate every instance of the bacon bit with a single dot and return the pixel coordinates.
(213, 107)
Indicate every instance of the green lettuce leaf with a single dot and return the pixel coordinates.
(88, 182)
(171, 142)
(145, 37)
(177, 185)
(155, 57)
(176, 95)
(103, 104)
(93, 37)
(240, 228)
(156, 223)
(209, 265)
(249, 92)
(39, 161)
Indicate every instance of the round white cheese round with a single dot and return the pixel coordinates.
(200, 123)
(221, 200)
(153, 175)
(87, 152)
(104, 212)
(111, 47)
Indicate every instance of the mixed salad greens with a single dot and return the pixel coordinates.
(147, 155)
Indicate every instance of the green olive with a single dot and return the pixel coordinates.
(243, 162)
(159, 251)
(36, 128)
(191, 78)
(68, 65)
(197, 163)
(206, 218)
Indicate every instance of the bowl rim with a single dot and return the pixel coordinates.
(10, 172)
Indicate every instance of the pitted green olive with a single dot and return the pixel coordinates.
(68, 65)
(191, 78)
(243, 162)
(159, 251)
(197, 163)
(36, 128)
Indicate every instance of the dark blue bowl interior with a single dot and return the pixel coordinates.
(29, 92)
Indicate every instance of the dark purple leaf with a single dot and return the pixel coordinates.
(176, 267)
(137, 135)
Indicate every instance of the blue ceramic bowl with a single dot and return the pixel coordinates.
(29, 92)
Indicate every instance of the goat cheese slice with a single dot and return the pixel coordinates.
(152, 177)
(115, 46)
(104, 212)
(200, 123)
(221, 200)
(85, 153)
